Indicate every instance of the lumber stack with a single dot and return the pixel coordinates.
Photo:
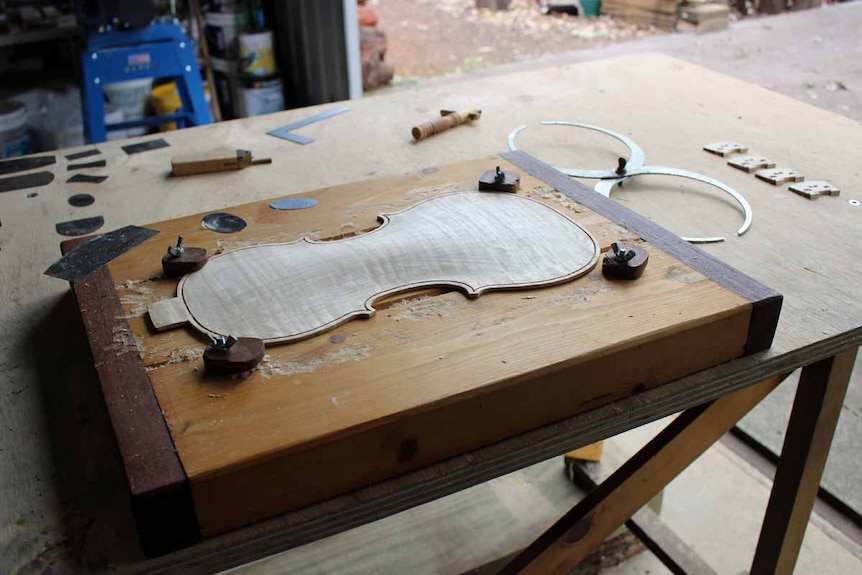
(659, 13)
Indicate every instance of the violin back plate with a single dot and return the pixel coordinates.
(473, 241)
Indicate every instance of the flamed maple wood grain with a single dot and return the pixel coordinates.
(425, 379)
(473, 241)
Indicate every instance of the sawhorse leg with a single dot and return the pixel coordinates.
(809, 435)
(816, 408)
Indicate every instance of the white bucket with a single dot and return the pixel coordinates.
(130, 97)
(14, 137)
(222, 30)
(262, 97)
(256, 55)
(115, 116)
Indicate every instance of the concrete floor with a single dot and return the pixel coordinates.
(797, 54)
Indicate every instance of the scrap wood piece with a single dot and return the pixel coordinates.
(751, 163)
(168, 314)
(725, 149)
(815, 188)
(778, 176)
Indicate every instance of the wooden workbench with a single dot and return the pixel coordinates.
(63, 501)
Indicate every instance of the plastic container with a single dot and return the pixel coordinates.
(591, 8)
(263, 96)
(130, 97)
(256, 54)
(222, 30)
(115, 116)
(14, 135)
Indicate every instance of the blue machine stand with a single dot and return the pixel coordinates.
(157, 51)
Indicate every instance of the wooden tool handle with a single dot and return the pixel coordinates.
(441, 124)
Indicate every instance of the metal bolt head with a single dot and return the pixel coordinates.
(621, 253)
(221, 342)
(178, 249)
(94, 56)
(97, 81)
(188, 68)
(621, 166)
(182, 45)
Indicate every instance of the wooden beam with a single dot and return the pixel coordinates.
(818, 402)
(647, 526)
(607, 507)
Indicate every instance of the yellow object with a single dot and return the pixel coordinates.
(166, 101)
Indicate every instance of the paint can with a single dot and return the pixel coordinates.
(14, 136)
(256, 54)
(222, 30)
(262, 96)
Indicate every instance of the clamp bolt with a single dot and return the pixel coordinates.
(221, 342)
(621, 166)
(621, 253)
(178, 249)
(499, 176)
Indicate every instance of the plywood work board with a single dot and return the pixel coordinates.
(432, 375)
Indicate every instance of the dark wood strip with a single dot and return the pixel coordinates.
(766, 302)
(161, 497)
(816, 408)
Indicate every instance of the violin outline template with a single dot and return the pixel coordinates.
(473, 241)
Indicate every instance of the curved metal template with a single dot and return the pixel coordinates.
(604, 187)
(636, 154)
(634, 167)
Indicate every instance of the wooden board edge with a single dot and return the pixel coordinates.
(160, 492)
(766, 302)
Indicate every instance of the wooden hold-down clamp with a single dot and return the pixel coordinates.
(448, 119)
(499, 180)
(231, 355)
(180, 260)
(624, 262)
(223, 160)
